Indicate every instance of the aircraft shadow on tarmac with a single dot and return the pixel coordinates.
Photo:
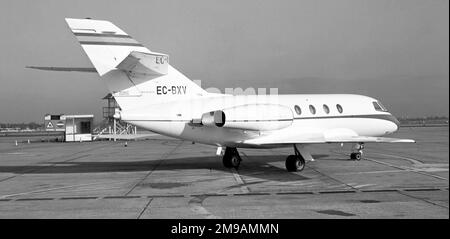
(256, 166)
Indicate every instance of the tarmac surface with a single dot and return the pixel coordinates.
(168, 178)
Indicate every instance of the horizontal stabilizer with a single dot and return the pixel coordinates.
(57, 68)
(125, 136)
(145, 63)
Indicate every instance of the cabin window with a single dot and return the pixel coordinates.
(378, 106)
(312, 109)
(339, 108)
(298, 110)
(326, 109)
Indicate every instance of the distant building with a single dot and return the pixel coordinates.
(75, 127)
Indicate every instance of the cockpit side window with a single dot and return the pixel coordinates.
(379, 107)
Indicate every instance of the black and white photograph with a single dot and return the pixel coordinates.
(224, 110)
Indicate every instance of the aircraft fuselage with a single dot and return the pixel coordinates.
(288, 116)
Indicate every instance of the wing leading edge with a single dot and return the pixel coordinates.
(369, 139)
(322, 140)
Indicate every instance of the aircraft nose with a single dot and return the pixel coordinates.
(395, 121)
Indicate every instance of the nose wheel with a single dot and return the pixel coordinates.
(295, 163)
(355, 156)
(358, 151)
(231, 158)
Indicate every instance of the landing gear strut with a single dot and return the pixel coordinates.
(295, 163)
(231, 158)
(358, 151)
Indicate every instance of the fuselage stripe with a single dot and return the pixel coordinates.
(101, 35)
(380, 117)
(387, 117)
(110, 43)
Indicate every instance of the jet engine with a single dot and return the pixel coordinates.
(259, 117)
(213, 118)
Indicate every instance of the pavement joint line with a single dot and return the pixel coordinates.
(121, 197)
(216, 195)
(420, 189)
(334, 179)
(77, 198)
(166, 196)
(156, 165)
(337, 191)
(379, 190)
(200, 195)
(34, 199)
(251, 194)
(421, 199)
(145, 208)
(292, 193)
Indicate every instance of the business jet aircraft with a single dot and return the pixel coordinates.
(155, 96)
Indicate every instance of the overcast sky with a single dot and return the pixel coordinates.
(393, 50)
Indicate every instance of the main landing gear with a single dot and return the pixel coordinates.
(357, 152)
(295, 163)
(231, 158)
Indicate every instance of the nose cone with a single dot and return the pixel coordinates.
(396, 122)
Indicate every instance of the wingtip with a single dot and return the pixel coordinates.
(409, 141)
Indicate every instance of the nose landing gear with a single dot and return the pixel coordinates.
(358, 151)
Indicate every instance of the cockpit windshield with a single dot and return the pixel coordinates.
(379, 107)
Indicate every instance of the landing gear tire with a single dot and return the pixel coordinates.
(231, 158)
(356, 156)
(295, 163)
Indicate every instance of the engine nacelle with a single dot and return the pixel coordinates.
(213, 118)
(259, 117)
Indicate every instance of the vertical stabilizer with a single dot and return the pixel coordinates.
(134, 75)
(105, 44)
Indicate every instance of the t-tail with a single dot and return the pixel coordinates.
(136, 76)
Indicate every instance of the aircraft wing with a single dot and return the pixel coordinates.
(320, 138)
(368, 139)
